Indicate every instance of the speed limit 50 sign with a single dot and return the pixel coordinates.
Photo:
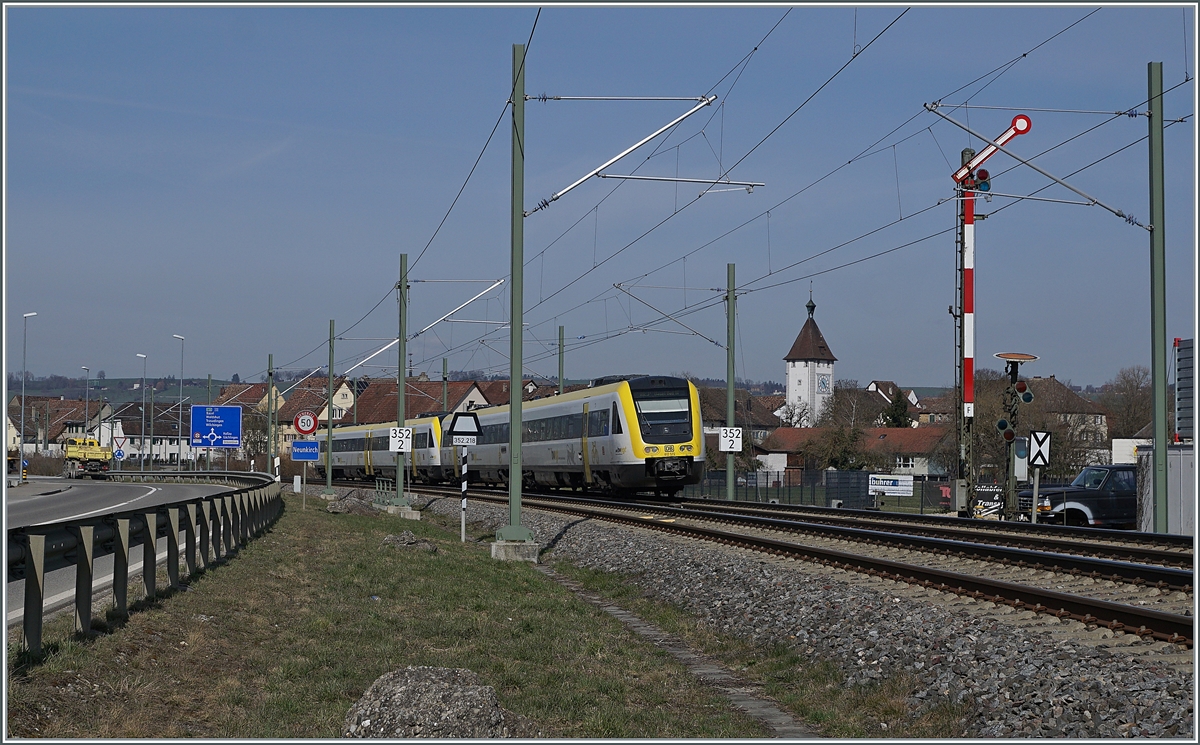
(305, 422)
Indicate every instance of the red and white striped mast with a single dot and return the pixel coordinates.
(968, 178)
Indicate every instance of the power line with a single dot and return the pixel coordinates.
(499, 119)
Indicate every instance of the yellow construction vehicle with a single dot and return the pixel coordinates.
(85, 457)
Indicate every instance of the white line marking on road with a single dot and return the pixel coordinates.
(102, 509)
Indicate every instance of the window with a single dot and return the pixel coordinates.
(664, 415)
(905, 461)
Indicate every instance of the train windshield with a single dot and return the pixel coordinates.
(664, 415)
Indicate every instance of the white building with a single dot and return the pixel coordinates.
(809, 372)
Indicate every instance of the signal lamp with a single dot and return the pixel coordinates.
(983, 180)
(1010, 435)
(1002, 425)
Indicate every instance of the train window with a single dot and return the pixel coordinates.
(323, 445)
(421, 441)
(616, 420)
(598, 423)
(380, 441)
(574, 426)
(664, 415)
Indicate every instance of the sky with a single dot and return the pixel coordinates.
(242, 175)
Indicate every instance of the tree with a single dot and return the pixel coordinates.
(1071, 445)
(101, 375)
(235, 379)
(896, 414)
(1129, 400)
(796, 414)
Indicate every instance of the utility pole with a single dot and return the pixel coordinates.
(445, 384)
(402, 288)
(1158, 294)
(208, 458)
(730, 325)
(514, 531)
(560, 360)
(151, 429)
(329, 421)
(270, 427)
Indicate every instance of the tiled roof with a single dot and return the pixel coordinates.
(377, 402)
(761, 409)
(1059, 399)
(311, 393)
(899, 440)
(243, 394)
(810, 345)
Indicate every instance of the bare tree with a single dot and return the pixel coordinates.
(796, 414)
(1128, 399)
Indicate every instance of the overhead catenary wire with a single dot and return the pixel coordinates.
(492, 134)
(724, 173)
(869, 150)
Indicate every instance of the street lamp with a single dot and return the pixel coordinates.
(142, 430)
(87, 385)
(179, 426)
(24, 335)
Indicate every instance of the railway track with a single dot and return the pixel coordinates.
(1087, 577)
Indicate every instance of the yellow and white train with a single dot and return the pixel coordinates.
(621, 436)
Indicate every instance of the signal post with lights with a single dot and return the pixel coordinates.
(971, 179)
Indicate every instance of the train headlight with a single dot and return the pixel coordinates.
(651, 449)
(686, 448)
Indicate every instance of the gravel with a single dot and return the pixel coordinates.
(433, 702)
(1020, 675)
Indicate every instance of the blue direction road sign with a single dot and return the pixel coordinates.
(216, 426)
(119, 454)
(306, 450)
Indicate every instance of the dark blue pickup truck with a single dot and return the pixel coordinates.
(1099, 497)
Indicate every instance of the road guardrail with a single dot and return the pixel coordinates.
(218, 525)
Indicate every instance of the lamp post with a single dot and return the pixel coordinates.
(142, 430)
(87, 385)
(179, 425)
(24, 336)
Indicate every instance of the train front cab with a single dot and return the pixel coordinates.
(668, 439)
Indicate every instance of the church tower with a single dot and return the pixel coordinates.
(809, 370)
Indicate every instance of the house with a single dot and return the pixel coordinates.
(937, 410)
(756, 415)
(1084, 422)
(377, 403)
(160, 439)
(907, 450)
(312, 394)
(888, 391)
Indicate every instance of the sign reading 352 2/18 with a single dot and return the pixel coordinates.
(216, 426)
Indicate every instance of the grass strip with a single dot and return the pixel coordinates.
(811, 691)
(284, 638)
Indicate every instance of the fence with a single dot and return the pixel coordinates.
(230, 519)
(931, 494)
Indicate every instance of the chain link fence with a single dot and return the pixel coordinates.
(846, 489)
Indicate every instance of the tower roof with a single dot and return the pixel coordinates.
(810, 344)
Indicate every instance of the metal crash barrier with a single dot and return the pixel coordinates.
(214, 528)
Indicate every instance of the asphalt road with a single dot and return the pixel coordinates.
(49, 500)
(46, 500)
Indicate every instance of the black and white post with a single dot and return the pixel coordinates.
(464, 432)
(463, 517)
(1039, 458)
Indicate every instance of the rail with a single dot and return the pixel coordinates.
(217, 524)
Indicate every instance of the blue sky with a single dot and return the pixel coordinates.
(241, 175)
